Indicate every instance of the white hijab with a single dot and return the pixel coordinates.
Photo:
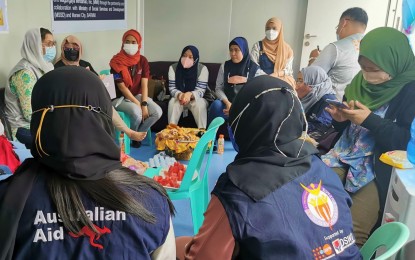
(32, 50)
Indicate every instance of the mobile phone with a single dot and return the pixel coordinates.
(336, 103)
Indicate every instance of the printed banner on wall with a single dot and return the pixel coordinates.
(4, 25)
(88, 15)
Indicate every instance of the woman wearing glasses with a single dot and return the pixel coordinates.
(38, 51)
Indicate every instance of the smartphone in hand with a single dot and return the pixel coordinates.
(337, 103)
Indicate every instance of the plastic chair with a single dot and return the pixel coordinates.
(391, 235)
(105, 72)
(407, 252)
(196, 189)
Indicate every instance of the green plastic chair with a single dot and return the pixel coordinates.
(105, 72)
(392, 236)
(195, 189)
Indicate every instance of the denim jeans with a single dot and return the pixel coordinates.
(216, 110)
(135, 114)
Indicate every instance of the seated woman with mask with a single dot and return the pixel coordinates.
(313, 88)
(277, 200)
(131, 73)
(232, 76)
(71, 53)
(74, 200)
(187, 84)
(378, 119)
(38, 51)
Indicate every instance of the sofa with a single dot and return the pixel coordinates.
(160, 70)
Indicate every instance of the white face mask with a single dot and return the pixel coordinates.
(377, 77)
(130, 48)
(271, 34)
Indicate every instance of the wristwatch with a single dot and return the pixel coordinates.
(144, 103)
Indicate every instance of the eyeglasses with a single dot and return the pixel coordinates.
(49, 44)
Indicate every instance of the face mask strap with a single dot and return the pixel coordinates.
(52, 108)
(293, 98)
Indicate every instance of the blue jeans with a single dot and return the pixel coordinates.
(216, 110)
(24, 136)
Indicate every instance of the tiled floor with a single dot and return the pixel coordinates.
(182, 222)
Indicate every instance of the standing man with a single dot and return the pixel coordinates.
(339, 58)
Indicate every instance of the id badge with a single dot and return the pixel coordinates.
(185, 112)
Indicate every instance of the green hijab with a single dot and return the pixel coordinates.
(389, 49)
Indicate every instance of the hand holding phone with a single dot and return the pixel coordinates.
(337, 104)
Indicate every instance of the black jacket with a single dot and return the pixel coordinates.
(390, 133)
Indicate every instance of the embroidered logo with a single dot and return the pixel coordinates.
(86, 231)
(319, 205)
(323, 252)
(340, 244)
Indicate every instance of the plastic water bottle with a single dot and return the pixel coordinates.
(121, 142)
(411, 145)
(221, 144)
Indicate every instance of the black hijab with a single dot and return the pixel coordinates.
(186, 79)
(79, 141)
(76, 142)
(260, 166)
(245, 68)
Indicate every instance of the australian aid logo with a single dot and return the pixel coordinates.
(319, 205)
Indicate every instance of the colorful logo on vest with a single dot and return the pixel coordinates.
(86, 231)
(323, 252)
(319, 205)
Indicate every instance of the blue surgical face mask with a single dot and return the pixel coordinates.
(50, 54)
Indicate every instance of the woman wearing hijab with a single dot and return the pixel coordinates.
(232, 75)
(275, 185)
(381, 108)
(313, 88)
(74, 200)
(273, 55)
(131, 74)
(71, 53)
(38, 51)
(187, 84)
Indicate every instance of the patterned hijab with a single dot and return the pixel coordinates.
(320, 83)
(389, 49)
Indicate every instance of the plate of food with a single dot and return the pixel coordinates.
(172, 177)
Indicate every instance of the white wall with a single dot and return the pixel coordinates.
(99, 47)
(211, 25)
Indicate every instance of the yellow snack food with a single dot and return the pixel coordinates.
(397, 159)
